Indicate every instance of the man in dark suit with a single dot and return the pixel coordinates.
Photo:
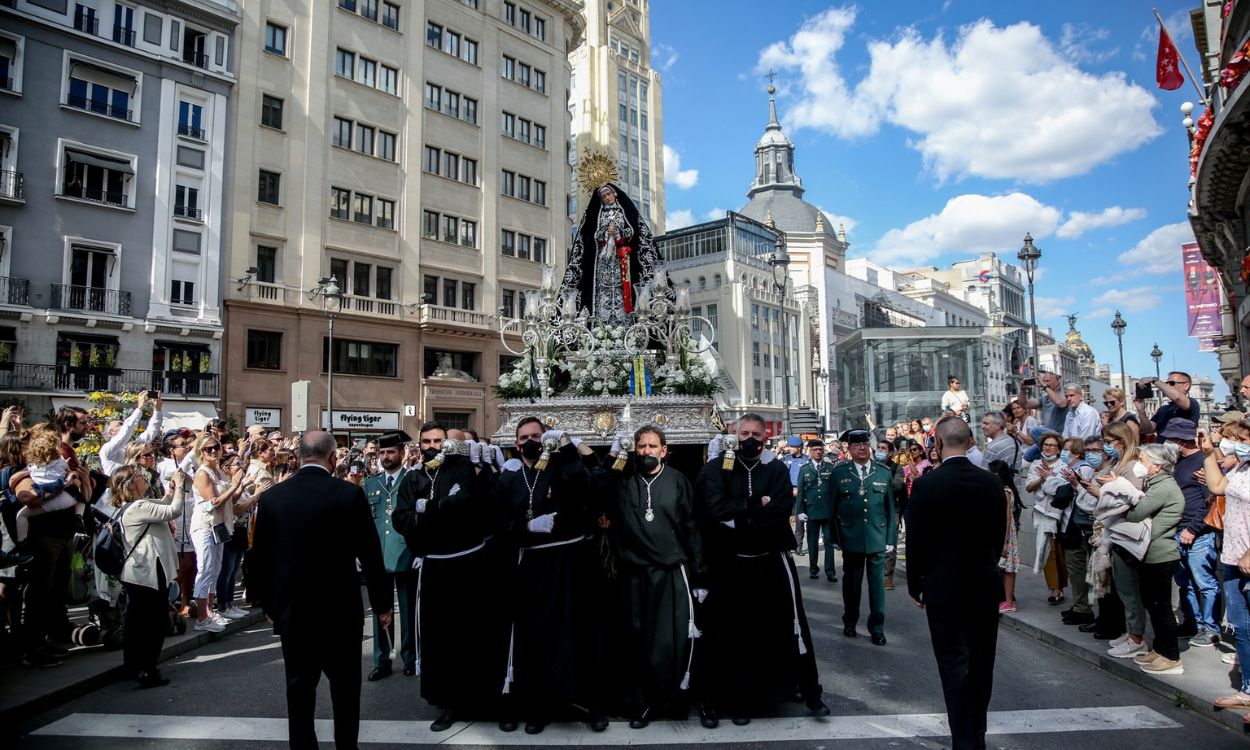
(310, 531)
(956, 528)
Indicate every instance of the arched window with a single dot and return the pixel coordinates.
(702, 283)
(716, 281)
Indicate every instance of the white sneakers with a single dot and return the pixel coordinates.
(234, 613)
(1117, 641)
(210, 624)
(1127, 649)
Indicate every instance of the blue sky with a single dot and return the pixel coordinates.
(940, 130)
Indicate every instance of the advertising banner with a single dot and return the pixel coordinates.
(1202, 295)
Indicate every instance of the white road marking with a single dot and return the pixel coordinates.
(1043, 721)
(228, 654)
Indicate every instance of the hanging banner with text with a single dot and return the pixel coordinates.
(1202, 297)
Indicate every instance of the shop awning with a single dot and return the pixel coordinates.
(97, 160)
(193, 415)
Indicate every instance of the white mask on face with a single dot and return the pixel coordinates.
(1139, 470)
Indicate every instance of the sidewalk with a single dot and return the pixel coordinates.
(26, 690)
(1206, 677)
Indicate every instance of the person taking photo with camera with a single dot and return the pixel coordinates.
(1179, 405)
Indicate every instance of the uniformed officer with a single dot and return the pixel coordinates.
(867, 527)
(382, 490)
(815, 504)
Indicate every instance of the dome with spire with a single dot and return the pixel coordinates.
(1084, 354)
(776, 193)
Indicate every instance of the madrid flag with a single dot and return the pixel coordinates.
(1167, 66)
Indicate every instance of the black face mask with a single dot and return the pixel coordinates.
(750, 448)
(646, 464)
(532, 449)
(428, 454)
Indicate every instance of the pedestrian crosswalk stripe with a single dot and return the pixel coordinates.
(796, 729)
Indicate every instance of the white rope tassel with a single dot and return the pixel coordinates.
(692, 632)
(794, 601)
(417, 563)
(507, 680)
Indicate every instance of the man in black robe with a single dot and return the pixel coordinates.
(444, 512)
(761, 644)
(658, 557)
(546, 515)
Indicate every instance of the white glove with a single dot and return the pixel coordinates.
(615, 450)
(499, 459)
(802, 517)
(729, 523)
(485, 449)
(553, 435)
(475, 453)
(714, 448)
(421, 501)
(542, 524)
(700, 595)
(889, 548)
(576, 441)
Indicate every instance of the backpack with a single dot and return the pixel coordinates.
(110, 545)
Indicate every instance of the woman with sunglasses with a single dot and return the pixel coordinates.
(1043, 481)
(232, 549)
(214, 495)
(1117, 410)
(143, 455)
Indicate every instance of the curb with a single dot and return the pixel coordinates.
(1181, 697)
(64, 694)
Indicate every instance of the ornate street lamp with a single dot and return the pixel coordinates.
(1118, 325)
(1156, 355)
(780, 261)
(332, 304)
(1029, 255)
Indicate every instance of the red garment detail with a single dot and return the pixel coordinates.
(622, 252)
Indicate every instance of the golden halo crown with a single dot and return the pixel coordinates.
(596, 169)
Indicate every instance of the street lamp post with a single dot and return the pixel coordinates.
(332, 303)
(1029, 255)
(822, 378)
(1118, 325)
(1157, 356)
(780, 261)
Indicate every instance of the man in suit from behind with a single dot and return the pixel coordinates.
(310, 531)
(956, 528)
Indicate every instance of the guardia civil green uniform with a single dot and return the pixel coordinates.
(866, 523)
(382, 491)
(815, 500)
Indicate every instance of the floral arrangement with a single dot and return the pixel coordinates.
(516, 383)
(106, 406)
(690, 379)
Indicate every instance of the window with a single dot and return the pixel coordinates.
(365, 139)
(540, 81)
(507, 242)
(386, 213)
(433, 96)
(540, 28)
(451, 165)
(369, 9)
(523, 246)
(186, 242)
(469, 167)
(348, 5)
(523, 74)
(468, 233)
(97, 177)
(382, 283)
(189, 157)
(275, 38)
(264, 350)
(523, 130)
(102, 92)
(361, 275)
(507, 185)
(271, 111)
(469, 51)
(468, 296)
(266, 263)
(433, 160)
(342, 133)
(390, 80)
(429, 225)
(85, 18)
(124, 25)
(451, 42)
(525, 20)
(367, 72)
(508, 124)
(190, 117)
(344, 63)
(11, 62)
(181, 292)
(470, 110)
(433, 34)
(451, 229)
(386, 145)
(187, 202)
(364, 209)
(269, 186)
(507, 68)
(449, 292)
(390, 16)
(523, 187)
(360, 357)
(429, 290)
(507, 306)
(509, 13)
(540, 192)
(540, 250)
(452, 104)
(340, 203)
(540, 136)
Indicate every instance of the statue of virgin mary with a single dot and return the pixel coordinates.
(613, 254)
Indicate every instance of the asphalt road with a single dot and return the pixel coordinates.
(230, 694)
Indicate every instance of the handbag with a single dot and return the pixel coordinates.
(221, 533)
(1215, 513)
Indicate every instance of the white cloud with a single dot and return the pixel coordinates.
(1160, 251)
(1080, 222)
(968, 224)
(837, 220)
(1078, 41)
(1179, 29)
(678, 219)
(663, 56)
(674, 174)
(714, 214)
(1053, 307)
(995, 102)
(1134, 300)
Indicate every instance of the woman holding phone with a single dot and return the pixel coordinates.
(211, 526)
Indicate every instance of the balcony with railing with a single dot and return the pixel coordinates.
(455, 320)
(87, 24)
(265, 291)
(19, 376)
(188, 212)
(99, 107)
(123, 35)
(90, 299)
(14, 291)
(190, 131)
(95, 195)
(198, 59)
(12, 185)
(199, 384)
(6, 84)
(370, 306)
